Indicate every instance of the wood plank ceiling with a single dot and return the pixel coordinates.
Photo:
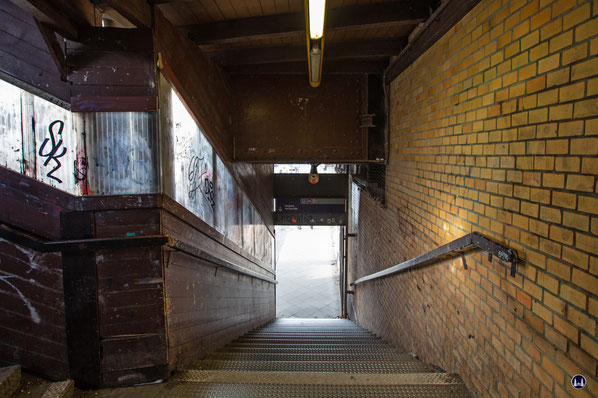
(268, 36)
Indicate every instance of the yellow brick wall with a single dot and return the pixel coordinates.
(495, 130)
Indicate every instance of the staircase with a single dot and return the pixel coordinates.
(313, 358)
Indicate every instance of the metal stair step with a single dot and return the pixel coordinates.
(322, 342)
(314, 356)
(299, 349)
(295, 332)
(214, 383)
(309, 337)
(308, 345)
(229, 390)
(10, 379)
(314, 366)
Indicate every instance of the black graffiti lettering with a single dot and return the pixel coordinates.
(52, 154)
(199, 181)
(80, 167)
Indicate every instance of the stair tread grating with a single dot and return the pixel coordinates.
(316, 358)
(310, 356)
(315, 366)
(226, 390)
(308, 349)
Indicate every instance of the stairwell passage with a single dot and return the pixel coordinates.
(313, 358)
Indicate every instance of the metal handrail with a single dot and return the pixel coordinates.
(459, 245)
(66, 246)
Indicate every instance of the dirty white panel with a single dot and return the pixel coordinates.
(193, 164)
(261, 238)
(55, 144)
(248, 226)
(11, 135)
(228, 212)
(121, 153)
(219, 196)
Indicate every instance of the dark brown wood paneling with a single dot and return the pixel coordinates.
(119, 302)
(133, 352)
(125, 223)
(202, 85)
(131, 302)
(32, 320)
(114, 104)
(31, 205)
(178, 229)
(220, 247)
(282, 119)
(207, 308)
(257, 181)
(111, 62)
(24, 55)
(81, 302)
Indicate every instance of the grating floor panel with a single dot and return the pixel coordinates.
(226, 390)
(313, 358)
(409, 366)
(389, 356)
(314, 349)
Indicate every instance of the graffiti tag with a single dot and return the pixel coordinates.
(80, 167)
(52, 154)
(199, 177)
(92, 105)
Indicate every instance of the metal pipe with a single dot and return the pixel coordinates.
(458, 245)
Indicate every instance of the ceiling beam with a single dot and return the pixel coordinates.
(300, 68)
(285, 25)
(138, 12)
(441, 21)
(157, 2)
(45, 12)
(333, 50)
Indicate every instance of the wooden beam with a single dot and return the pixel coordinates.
(138, 12)
(54, 48)
(300, 68)
(378, 15)
(267, 55)
(45, 12)
(444, 18)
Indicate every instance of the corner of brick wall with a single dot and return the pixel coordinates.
(495, 130)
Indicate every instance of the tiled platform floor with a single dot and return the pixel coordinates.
(307, 271)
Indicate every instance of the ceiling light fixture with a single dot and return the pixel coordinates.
(315, 14)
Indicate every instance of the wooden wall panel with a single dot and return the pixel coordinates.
(24, 55)
(258, 182)
(112, 69)
(140, 291)
(32, 320)
(282, 119)
(130, 297)
(207, 308)
(31, 205)
(181, 223)
(202, 85)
